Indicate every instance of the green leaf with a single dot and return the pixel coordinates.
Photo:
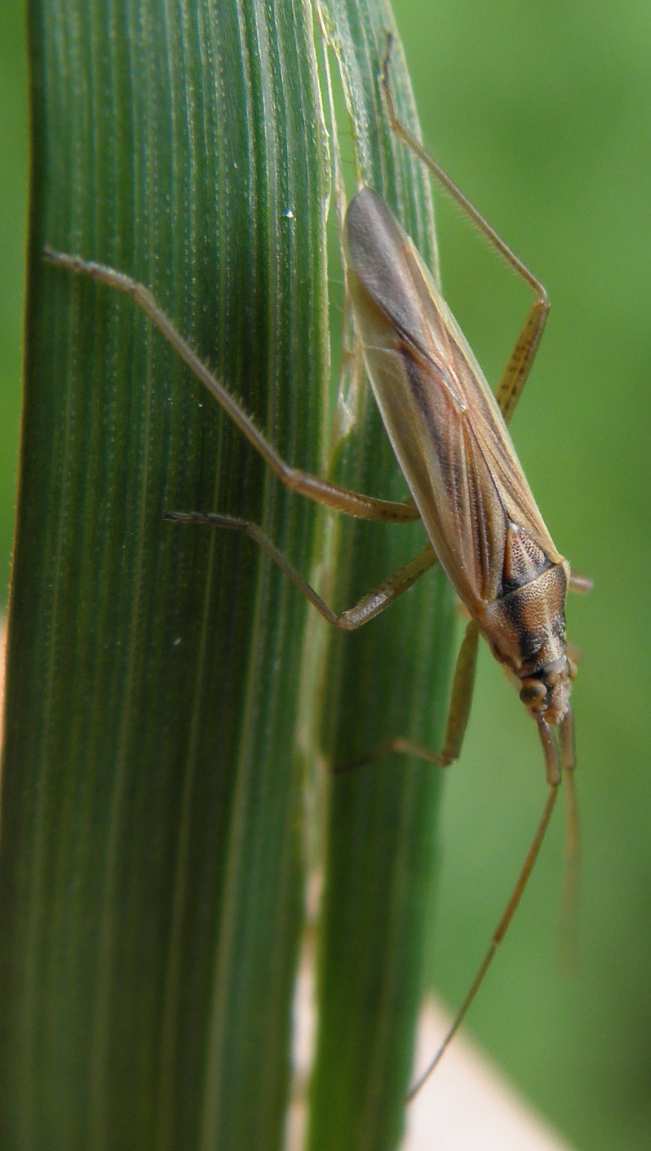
(389, 679)
(169, 693)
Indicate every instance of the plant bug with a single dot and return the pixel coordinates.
(450, 436)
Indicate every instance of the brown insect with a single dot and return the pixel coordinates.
(450, 436)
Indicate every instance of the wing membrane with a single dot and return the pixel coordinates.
(441, 416)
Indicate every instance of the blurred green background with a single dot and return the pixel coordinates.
(542, 114)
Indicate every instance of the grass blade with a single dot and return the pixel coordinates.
(151, 878)
(387, 680)
(155, 822)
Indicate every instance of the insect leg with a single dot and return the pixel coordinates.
(457, 721)
(553, 779)
(522, 357)
(517, 370)
(367, 608)
(332, 495)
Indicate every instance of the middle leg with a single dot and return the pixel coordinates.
(367, 608)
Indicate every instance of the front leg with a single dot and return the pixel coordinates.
(457, 721)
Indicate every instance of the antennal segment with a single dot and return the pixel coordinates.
(553, 779)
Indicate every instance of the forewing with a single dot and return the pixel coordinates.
(441, 416)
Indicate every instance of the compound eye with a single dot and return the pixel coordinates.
(533, 694)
